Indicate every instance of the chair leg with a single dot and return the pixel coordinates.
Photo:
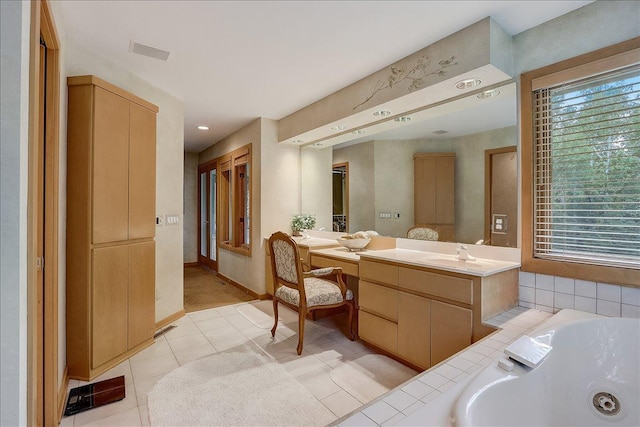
(275, 315)
(352, 336)
(301, 316)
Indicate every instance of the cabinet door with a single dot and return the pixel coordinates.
(424, 186)
(445, 190)
(110, 204)
(109, 303)
(451, 330)
(142, 172)
(414, 335)
(142, 290)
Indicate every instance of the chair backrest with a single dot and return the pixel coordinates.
(285, 263)
(422, 233)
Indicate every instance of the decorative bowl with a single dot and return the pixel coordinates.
(353, 244)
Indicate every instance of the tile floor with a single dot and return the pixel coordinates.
(222, 329)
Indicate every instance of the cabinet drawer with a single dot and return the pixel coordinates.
(378, 331)
(378, 272)
(347, 268)
(449, 287)
(378, 300)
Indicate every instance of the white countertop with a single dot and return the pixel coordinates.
(478, 267)
(315, 242)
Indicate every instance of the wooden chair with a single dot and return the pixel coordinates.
(307, 291)
(422, 232)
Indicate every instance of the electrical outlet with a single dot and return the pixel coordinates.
(396, 215)
(160, 220)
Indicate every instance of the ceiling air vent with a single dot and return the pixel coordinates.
(151, 52)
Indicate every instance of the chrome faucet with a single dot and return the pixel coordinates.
(463, 253)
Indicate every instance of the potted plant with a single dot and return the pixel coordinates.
(302, 222)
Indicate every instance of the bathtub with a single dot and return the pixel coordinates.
(591, 377)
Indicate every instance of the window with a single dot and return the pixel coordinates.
(581, 150)
(234, 192)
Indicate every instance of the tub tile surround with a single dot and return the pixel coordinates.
(429, 387)
(552, 293)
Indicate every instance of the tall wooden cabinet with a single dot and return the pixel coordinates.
(434, 192)
(111, 164)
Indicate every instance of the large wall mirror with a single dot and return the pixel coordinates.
(381, 168)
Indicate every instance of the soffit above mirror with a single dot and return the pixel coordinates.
(481, 53)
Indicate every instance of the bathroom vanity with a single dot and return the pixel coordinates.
(423, 313)
(421, 307)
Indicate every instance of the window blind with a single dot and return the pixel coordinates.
(587, 170)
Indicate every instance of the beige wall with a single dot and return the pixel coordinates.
(362, 193)
(190, 208)
(315, 188)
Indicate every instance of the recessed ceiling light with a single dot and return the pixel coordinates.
(468, 83)
(338, 127)
(297, 141)
(402, 119)
(488, 94)
(318, 144)
(440, 132)
(358, 132)
(202, 127)
(382, 113)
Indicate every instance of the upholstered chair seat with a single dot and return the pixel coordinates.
(305, 291)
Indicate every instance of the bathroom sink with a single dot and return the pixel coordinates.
(461, 264)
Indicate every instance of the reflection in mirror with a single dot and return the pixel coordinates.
(381, 170)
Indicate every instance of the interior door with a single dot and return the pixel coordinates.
(501, 193)
(207, 190)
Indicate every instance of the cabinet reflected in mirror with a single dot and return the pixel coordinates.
(381, 169)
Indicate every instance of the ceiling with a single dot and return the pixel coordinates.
(233, 61)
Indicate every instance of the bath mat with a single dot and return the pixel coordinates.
(234, 389)
(371, 376)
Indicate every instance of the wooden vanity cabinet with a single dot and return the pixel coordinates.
(420, 316)
(111, 187)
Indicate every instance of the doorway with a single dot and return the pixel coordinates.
(207, 231)
(340, 186)
(45, 396)
(501, 195)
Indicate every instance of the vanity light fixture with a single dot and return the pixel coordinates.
(488, 94)
(402, 119)
(203, 127)
(358, 132)
(382, 113)
(337, 128)
(468, 83)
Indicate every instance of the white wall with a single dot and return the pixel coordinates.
(14, 87)
(169, 168)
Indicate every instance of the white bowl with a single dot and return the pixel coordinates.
(353, 244)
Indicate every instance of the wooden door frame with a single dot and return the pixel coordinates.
(345, 195)
(488, 173)
(44, 397)
(205, 168)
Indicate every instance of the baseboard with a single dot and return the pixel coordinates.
(169, 319)
(191, 264)
(244, 288)
(62, 393)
